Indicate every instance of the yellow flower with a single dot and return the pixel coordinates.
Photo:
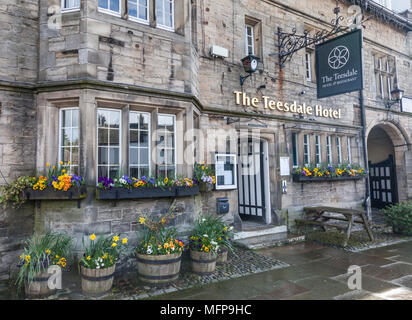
(114, 244)
(88, 258)
(61, 162)
(92, 237)
(68, 162)
(124, 240)
(163, 221)
(141, 220)
(48, 251)
(54, 167)
(63, 171)
(203, 167)
(166, 180)
(115, 238)
(47, 164)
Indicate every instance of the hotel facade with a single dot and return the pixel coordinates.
(150, 87)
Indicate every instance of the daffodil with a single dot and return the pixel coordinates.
(115, 238)
(124, 240)
(92, 237)
(141, 220)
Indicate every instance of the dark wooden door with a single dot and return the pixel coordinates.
(383, 186)
(251, 190)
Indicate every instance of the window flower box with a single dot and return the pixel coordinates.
(73, 193)
(118, 193)
(300, 178)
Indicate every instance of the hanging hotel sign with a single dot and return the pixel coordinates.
(339, 65)
(270, 104)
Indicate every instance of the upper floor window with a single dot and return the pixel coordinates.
(385, 74)
(110, 6)
(139, 10)
(309, 66)
(165, 14)
(250, 45)
(69, 139)
(68, 5)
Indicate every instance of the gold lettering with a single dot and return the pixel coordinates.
(237, 93)
(309, 110)
(293, 107)
(272, 105)
(279, 105)
(245, 100)
(255, 102)
(336, 114)
(286, 107)
(265, 102)
(318, 111)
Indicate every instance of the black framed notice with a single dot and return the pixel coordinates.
(339, 65)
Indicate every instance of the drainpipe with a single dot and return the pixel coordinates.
(365, 156)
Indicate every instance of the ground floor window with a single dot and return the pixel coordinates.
(139, 144)
(108, 143)
(166, 150)
(69, 139)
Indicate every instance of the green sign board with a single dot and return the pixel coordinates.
(339, 65)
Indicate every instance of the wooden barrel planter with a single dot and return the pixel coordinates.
(97, 281)
(222, 255)
(203, 263)
(38, 287)
(160, 269)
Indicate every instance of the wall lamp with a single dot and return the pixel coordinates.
(396, 96)
(250, 64)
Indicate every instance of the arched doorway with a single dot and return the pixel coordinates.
(382, 168)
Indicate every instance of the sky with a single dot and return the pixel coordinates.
(400, 5)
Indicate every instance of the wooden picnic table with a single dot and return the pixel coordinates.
(318, 216)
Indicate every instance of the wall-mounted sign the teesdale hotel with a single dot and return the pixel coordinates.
(287, 107)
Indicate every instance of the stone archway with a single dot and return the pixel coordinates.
(387, 146)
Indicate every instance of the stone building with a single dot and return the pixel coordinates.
(80, 80)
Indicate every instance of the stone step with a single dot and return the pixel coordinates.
(266, 236)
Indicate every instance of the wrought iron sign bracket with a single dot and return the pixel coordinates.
(289, 43)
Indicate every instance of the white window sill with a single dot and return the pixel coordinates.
(134, 19)
(112, 13)
(68, 10)
(171, 29)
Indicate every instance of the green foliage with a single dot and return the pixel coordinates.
(40, 252)
(12, 194)
(209, 233)
(399, 216)
(103, 251)
(204, 173)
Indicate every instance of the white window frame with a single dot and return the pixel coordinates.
(174, 140)
(349, 150)
(329, 150)
(306, 154)
(164, 27)
(71, 9)
(234, 172)
(252, 36)
(149, 150)
(97, 142)
(137, 19)
(308, 66)
(339, 149)
(318, 153)
(108, 11)
(60, 137)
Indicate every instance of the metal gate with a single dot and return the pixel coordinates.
(251, 191)
(383, 183)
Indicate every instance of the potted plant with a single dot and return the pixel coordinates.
(98, 264)
(41, 252)
(159, 252)
(205, 175)
(224, 240)
(204, 245)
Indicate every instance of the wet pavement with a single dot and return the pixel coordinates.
(317, 272)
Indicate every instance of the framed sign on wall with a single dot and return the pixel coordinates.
(225, 171)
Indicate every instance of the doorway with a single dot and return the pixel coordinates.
(382, 169)
(253, 181)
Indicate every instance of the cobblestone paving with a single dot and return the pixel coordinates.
(244, 262)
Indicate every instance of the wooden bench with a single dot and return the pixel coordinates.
(317, 216)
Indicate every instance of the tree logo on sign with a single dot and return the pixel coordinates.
(338, 57)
